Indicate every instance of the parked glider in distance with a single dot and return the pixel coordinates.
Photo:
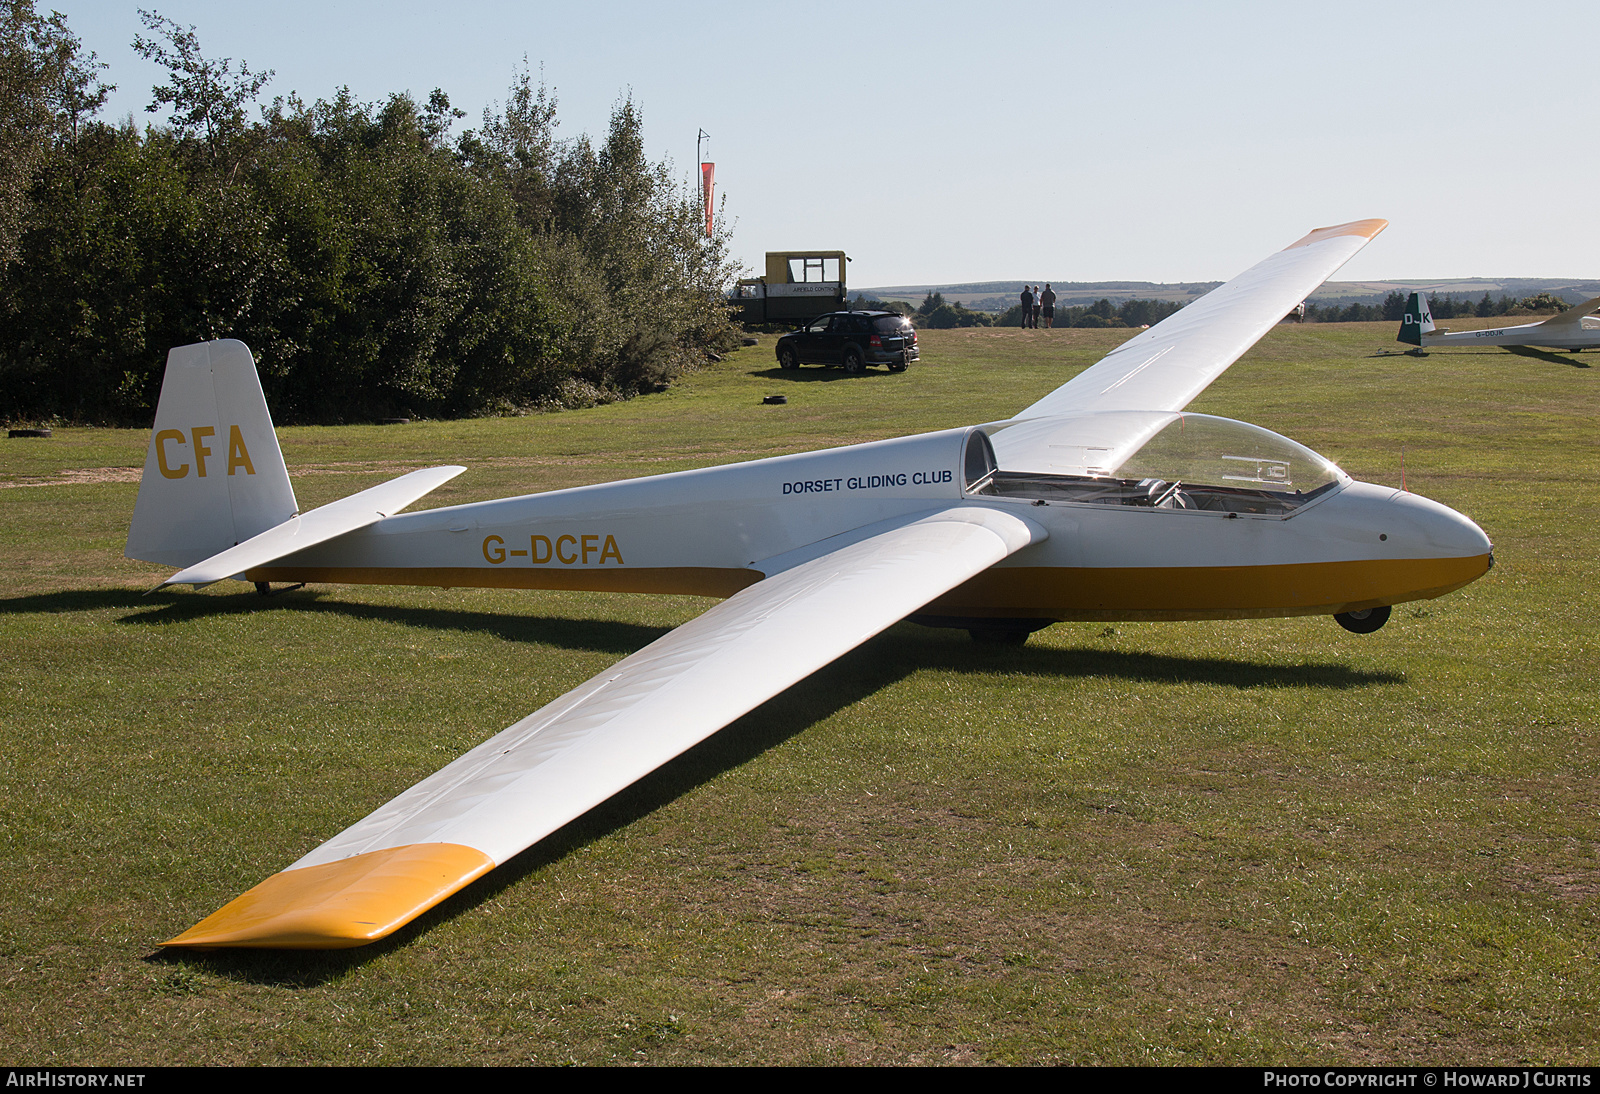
(1101, 501)
(1573, 329)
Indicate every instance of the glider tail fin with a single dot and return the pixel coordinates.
(213, 475)
(1416, 322)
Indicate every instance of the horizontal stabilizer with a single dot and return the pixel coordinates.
(318, 526)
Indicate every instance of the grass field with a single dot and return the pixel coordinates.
(1241, 842)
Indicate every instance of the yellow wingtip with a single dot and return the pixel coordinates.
(340, 904)
(1365, 228)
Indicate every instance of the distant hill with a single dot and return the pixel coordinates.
(997, 296)
(1370, 292)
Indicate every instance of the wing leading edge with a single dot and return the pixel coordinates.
(1168, 365)
(530, 779)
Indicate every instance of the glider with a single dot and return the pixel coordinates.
(1574, 329)
(1101, 501)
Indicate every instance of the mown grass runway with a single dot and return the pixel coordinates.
(1240, 842)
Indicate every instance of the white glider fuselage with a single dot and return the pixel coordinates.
(1586, 336)
(1574, 329)
(715, 531)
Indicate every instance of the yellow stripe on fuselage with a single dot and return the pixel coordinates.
(1035, 592)
(1204, 592)
(678, 580)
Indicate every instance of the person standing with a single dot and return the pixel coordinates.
(1047, 300)
(1027, 306)
(1037, 305)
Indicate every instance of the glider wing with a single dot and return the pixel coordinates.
(1573, 317)
(560, 761)
(1168, 365)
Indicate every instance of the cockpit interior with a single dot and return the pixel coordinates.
(1152, 460)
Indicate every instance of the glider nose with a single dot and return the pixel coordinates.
(1414, 547)
(1435, 529)
(1406, 525)
(1398, 546)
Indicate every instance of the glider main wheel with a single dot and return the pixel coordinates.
(901, 367)
(854, 364)
(788, 358)
(1363, 622)
(998, 636)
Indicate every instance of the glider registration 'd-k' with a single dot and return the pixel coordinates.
(1574, 329)
(1101, 501)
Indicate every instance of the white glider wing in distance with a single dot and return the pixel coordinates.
(1000, 529)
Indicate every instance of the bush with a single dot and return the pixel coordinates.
(377, 268)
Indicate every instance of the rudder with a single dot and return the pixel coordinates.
(1416, 321)
(213, 475)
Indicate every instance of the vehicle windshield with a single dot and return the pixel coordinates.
(1155, 460)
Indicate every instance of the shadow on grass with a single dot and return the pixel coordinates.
(1547, 355)
(597, 635)
(914, 647)
(75, 600)
(167, 606)
(879, 663)
(810, 374)
(1568, 359)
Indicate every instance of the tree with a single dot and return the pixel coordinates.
(1144, 313)
(1544, 302)
(208, 98)
(376, 268)
(517, 149)
(46, 90)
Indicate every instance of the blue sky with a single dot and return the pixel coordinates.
(936, 142)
